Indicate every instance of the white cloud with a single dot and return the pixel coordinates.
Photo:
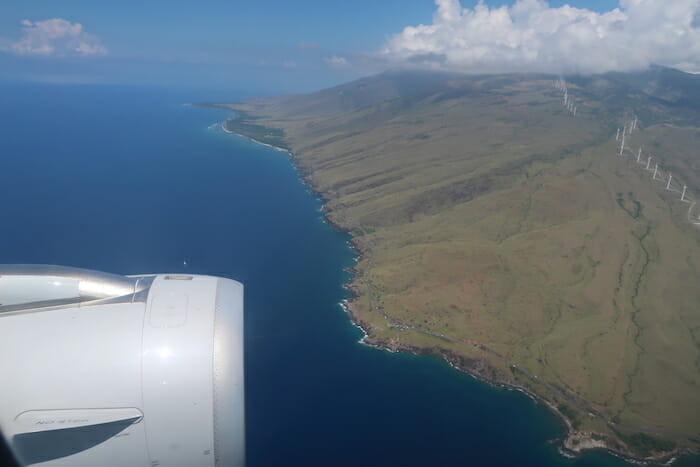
(55, 36)
(532, 36)
(336, 61)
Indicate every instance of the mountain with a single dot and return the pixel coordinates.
(669, 85)
(355, 95)
(503, 233)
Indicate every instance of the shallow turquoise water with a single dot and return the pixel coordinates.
(128, 180)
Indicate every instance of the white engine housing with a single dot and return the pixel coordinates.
(111, 370)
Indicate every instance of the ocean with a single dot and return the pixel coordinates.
(129, 180)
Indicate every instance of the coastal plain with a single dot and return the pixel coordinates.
(498, 231)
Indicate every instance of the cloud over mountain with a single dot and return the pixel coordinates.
(532, 36)
(55, 36)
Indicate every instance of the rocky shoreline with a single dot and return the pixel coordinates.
(573, 445)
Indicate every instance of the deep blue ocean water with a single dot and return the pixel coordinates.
(128, 180)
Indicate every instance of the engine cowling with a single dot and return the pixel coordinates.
(101, 369)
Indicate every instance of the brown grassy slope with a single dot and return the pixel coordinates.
(488, 215)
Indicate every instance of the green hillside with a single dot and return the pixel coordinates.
(505, 234)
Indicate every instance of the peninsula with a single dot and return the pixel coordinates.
(504, 226)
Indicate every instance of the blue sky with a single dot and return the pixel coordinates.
(264, 46)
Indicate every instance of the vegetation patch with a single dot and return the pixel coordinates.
(508, 232)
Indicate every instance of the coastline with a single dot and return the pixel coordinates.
(574, 443)
(276, 148)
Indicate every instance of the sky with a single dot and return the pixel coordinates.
(272, 46)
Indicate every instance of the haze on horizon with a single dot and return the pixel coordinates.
(277, 47)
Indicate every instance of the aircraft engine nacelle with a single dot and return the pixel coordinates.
(108, 370)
